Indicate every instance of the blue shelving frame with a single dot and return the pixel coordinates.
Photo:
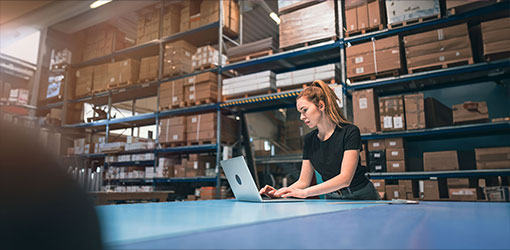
(440, 174)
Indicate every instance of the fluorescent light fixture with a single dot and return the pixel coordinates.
(275, 17)
(99, 3)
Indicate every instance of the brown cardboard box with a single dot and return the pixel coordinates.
(440, 161)
(121, 72)
(173, 130)
(362, 16)
(149, 67)
(376, 145)
(396, 166)
(171, 20)
(379, 185)
(492, 158)
(171, 94)
(470, 112)
(204, 91)
(430, 191)
(374, 14)
(366, 111)
(437, 58)
(202, 127)
(391, 110)
(458, 183)
(460, 30)
(463, 194)
(391, 143)
(496, 47)
(395, 154)
(395, 192)
(437, 114)
(415, 111)
(177, 58)
(84, 81)
(351, 19)
(180, 170)
(100, 78)
(204, 77)
(497, 24)
(409, 186)
(455, 44)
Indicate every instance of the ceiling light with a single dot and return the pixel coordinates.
(275, 17)
(99, 3)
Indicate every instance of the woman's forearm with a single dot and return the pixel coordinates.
(329, 186)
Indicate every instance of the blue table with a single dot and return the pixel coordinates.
(221, 224)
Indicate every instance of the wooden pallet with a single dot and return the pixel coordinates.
(379, 75)
(173, 106)
(146, 80)
(412, 21)
(119, 85)
(250, 94)
(306, 44)
(301, 86)
(173, 144)
(97, 91)
(497, 56)
(200, 102)
(178, 73)
(204, 67)
(364, 31)
(443, 65)
(250, 56)
(208, 141)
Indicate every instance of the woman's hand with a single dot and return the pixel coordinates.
(268, 191)
(291, 192)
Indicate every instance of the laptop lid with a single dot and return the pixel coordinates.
(240, 179)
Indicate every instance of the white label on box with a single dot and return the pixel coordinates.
(174, 99)
(195, 165)
(78, 73)
(440, 35)
(112, 79)
(398, 122)
(457, 53)
(393, 143)
(175, 137)
(191, 80)
(145, 85)
(194, 120)
(192, 88)
(360, 70)
(207, 165)
(396, 165)
(352, 26)
(377, 155)
(394, 51)
(463, 192)
(441, 58)
(375, 144)
(363, 103)
(187, 53)
(378, 167)
(420, 183)
(395, 193)
(387, 122)
(125, 63)
(377, 184)
(358, 59)
(192, 96)
(394, 153)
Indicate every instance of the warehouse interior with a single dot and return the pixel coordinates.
(128, 108)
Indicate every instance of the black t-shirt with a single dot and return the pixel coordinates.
(326, 156)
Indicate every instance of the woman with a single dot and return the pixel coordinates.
(332, 149)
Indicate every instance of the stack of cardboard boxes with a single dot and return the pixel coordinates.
(395, 155)
(209, 13)
(101, 80)
(207, 57)
(496, 37)
(148, 24)
(171, 94)
(173, 130)
(84, 81)
(373, 58)
(392, 115)
(198, 164)
(202, 128)
(123, 72)
(201, 88)
(376, 156)
(149, 67)
(308, 24)
(171, 19)
(492, 158)
(209, 193)
(362, 15)
(463, 189)
(177, 58)
(102, 39)
(439, 47)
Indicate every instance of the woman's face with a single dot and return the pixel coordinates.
(310, 114)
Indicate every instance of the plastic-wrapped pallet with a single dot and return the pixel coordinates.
(252, 83)
(299, 77)
(206, 57)
(399, 11)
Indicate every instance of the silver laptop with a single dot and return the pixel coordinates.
(242, 184)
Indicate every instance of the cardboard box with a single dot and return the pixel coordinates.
(376, 145)
(415, 111)
(458, 183)
(409, 186)
(366, 110)
(492, 158)
(362, 17)
(460, 30)
(437, 114)
(351, 20)
(391, 143)
(379, 185)
(373, 57)
(178, 58)
(429, 190)
(399, 11)
(377, 161)
(100, 78)
(463, 194)
(391, 110)
(171, 94)
(395, 154)
(149, 67)
(396, 166)
(173, 130)
(470, 112)
(374, 14)
(121, 72)
(394, 192)
(497, 193)
(440, 161)
(84, 81)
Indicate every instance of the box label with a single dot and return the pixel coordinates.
(393, 143)
(387, 122)
(375, 144)
(194, 120)
(363, 103)
(396, 165)
(175, 137)
(378, 167)
(394, 153)
(395, 193)
(358, 59)
(377, 184)
(398, 122)
(377, 155)
(360, 70)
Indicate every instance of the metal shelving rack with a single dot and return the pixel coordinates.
(315, 55)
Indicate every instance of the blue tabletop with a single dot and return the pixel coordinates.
(311, 224)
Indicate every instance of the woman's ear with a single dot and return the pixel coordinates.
(322, 106)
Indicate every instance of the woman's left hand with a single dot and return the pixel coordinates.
(291, 192)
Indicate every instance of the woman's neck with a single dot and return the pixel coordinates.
(326, 128)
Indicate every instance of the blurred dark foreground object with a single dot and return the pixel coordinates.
(40, 206)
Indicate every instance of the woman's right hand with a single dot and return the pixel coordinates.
(268, 191)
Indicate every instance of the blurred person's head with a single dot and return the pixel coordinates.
(42, 207)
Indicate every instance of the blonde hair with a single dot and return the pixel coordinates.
(320, 91)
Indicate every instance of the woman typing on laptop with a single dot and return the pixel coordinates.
(332, 149)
